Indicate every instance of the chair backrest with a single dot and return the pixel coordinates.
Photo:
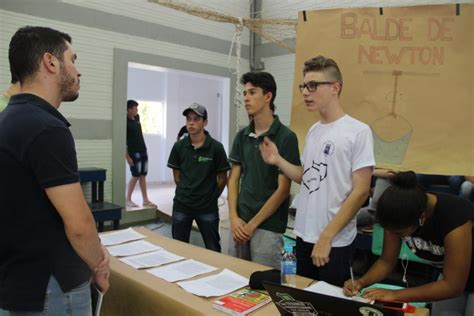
(377, 246)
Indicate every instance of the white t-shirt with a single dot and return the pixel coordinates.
(331, 154)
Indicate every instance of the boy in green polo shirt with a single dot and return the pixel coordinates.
(258, 192)
(200, 167)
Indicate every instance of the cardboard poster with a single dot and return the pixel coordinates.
(408, 73)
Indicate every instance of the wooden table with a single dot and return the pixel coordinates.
(136, 292)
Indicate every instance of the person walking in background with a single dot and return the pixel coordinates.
(136, 155)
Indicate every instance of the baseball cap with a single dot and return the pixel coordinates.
(198, 109)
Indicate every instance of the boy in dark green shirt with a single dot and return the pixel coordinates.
(200, 167)
(258, 192)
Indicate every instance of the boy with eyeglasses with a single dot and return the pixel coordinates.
(337, 160)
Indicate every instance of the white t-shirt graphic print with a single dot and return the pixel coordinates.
(332, 153)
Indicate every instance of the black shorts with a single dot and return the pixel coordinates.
(140, 163)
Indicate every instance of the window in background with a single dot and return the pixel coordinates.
(152, 117)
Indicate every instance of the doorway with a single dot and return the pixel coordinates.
(163, 94)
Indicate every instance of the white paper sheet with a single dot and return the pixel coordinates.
(182, 270)
(96, 300)
(215, 285)
(322, 287)
(132, 248)
(119, 237)
(151, 259)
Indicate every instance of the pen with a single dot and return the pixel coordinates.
(352, 277)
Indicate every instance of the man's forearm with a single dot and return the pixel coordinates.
(87, 245)
(79, 224)
(233, 193)
(379, 271)
(293, 172)
(352, 204)
(347, 212)
(221, 182)
(176, 176)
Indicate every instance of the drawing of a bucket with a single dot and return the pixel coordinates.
(392, 134)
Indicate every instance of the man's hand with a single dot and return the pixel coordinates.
(102, 272)
(102, 282)
(269, 151)
(249, 229)
(320, 253)
(104, 265)
(239, 233)
(130, 161)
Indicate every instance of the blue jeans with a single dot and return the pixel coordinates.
(335, 272)
(57, 303)
(428, 181)
(208, 226)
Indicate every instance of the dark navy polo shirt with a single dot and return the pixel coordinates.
(36, 152)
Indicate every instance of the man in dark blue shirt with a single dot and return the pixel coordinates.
(49, 246)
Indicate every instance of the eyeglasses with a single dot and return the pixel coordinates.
(313, 85)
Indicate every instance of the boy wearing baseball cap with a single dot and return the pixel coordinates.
(200, 167)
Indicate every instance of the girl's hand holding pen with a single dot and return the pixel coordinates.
(352, 287)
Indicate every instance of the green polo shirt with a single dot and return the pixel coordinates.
(197, 188)
(135, 141)
(259, 180)
(3, 102)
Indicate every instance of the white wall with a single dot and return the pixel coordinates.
(202, 91)
(185, 89)
(146, 85)
(155, 13)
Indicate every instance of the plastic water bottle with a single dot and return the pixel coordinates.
(288, 267)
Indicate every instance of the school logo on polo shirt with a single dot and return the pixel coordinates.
(203, 159)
